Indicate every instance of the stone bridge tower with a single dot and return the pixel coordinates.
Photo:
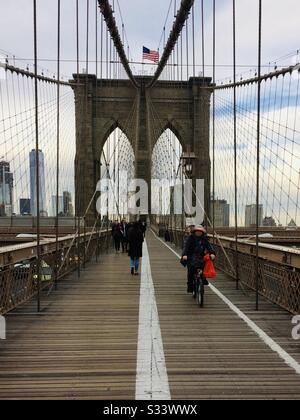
(143, 114)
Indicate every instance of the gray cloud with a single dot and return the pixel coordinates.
(144, 21)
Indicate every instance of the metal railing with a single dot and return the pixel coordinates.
(279, 272)
(18, 265)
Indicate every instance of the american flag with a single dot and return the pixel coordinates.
(150, 55)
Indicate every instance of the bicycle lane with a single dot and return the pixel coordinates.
(212, 352)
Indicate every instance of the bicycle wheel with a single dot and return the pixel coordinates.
(200, 293)
(195, 289)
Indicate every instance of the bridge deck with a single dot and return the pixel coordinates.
(85, 342)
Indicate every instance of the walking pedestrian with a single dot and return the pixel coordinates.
(117, 235)
(135, 241)
(124, 232)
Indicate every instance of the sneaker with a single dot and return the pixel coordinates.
(136, 273)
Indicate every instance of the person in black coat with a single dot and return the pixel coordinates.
(135, 241)
(117, 235)
(124, 232)
(196, 247)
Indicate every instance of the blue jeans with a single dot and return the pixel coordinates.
(135, 263)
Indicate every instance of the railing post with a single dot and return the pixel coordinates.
(84, 239)
(78, 248)
(97, 245)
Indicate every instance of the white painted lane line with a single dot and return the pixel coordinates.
(288, 359)
(151, 374)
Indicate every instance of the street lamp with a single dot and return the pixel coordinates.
(187, 164)
(3, 185)
(187, 159)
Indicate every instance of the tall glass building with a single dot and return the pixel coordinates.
(250, 215)
(33, 198)
(6, 189)
(25, 209)
(60, 206)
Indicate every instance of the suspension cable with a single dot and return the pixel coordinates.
(214, 121)
(235, 147)
(180, 20)
(197, 198)
(37, 169)
(107, 13)
(258, 151)
(57, 142)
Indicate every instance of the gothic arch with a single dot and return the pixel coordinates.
(176, 129)
(107, 130)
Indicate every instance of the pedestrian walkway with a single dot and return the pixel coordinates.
(110, 335)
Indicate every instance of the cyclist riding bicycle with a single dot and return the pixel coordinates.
(196, 247)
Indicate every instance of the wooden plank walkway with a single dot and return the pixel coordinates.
(210, 352)
(84, 344)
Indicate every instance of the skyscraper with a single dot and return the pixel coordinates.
(67, 204)
(6, 189)
(250, 215)
(42, 188)
(25, 206)
(221, 210)
(60, 206)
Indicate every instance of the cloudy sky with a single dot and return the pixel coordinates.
(144, 21)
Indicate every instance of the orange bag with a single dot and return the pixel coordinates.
(209, 271)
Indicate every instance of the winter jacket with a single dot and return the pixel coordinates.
(195, 248)
(135, 240)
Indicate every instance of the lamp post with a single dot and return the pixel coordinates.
(187, 163)
(3, 185)
(107, 213)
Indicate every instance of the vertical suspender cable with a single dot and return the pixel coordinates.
(177, 64)
(96, 39)
(57, 144)
(101, 50)
(77, 37)
(235, 146)
(96, 163)
(194, 58)
(214, 120)
(37, 163)
(77, 192)
(203, 45)
(123, 41)
(258, 151)
(87, 36)
(107, 53)
(110, 57)
(206, 217)
(187, 49)
(181, 58)
(86, 105)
